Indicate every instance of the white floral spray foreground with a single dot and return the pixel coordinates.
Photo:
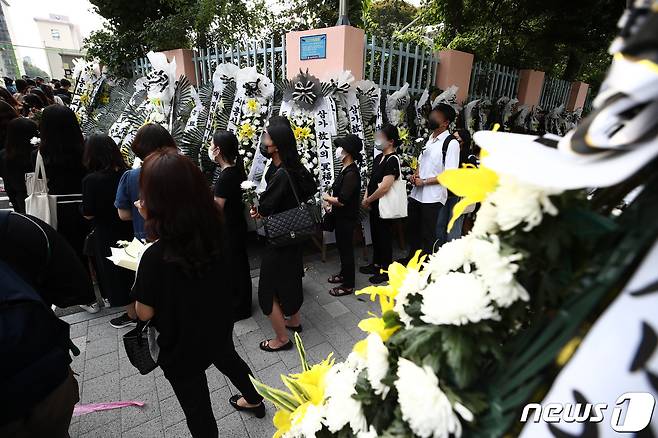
(393, 383)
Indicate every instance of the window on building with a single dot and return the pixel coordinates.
(54, 34)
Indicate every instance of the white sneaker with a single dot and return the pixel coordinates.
(106, 302)
(92, 308)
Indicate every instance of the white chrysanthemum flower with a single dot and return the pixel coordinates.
(520, 203)
(355, 361)
(310, 423)
(377, 364)
(456, 298)
(485, 220)
(248, 185)
(412, 284)
(451, 256)
(35, 141)
(341, 408)
(424, 406)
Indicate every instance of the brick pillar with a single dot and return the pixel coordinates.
(530, 84)
(454, 69)
(344, 46)
(577, 95)
(184, 63)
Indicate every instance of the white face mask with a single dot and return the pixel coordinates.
(212, 153)
(339, 153)
(379, 144)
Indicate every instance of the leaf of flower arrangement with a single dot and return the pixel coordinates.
(281, 399)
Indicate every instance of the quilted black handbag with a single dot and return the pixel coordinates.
(291, 226)
(137, 348)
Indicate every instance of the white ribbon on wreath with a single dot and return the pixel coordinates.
(325, 128)
(224, 73)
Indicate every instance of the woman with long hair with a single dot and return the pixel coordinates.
(280, 285)
(31, 106)
(385, 170)
(106, 166)
(16, 158)
(9, 98)
(7, 114)
(228, 196)
(61, 147)
(176, 289)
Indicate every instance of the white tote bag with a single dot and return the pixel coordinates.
(393, 205)
(38, 202)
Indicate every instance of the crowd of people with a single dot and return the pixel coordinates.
(198, 236)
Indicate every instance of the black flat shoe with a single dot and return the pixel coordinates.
(265, 346)
(378, 279)
(258, 411)
(370, 269)
(297, 328)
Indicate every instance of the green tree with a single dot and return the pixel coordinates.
(33, 71)
(313, 14)
(135, 27)
(384, 18)
(562, 37)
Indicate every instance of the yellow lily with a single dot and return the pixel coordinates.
(471, 184)
(311, 382)
(282, 423)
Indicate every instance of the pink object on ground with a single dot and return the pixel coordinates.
(93, 407)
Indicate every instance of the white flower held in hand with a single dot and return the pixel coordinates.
(35, 141)
(247, 185)
(424, 406)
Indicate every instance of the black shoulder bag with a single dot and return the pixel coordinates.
(291, 226)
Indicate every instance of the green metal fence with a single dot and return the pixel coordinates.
(489, 80)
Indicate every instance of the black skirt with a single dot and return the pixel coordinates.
(240, 286)
(281, 272)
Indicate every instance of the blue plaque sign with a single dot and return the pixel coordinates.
(313, 47)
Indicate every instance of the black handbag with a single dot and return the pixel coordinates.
(137, 348)
(329, 221)
(291, 226)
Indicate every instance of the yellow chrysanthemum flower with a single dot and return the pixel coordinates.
(301, 132)
(253, 106)
(404, 135)
(84, 99)
(247, 131)
(156, 101)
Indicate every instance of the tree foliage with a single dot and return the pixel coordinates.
(384, 18)
(562, 37)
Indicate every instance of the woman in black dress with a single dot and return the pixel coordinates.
(176, 289)
(61, 147)
(281, 270)
(105, 164)
(16, 160)
(345, 210)
(228, 196)
(385, 170)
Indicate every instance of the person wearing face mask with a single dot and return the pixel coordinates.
(280, 293)
(344, 203)
(385, 170)
(228, 197)
(428, 196)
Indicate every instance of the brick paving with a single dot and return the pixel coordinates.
(105, 374)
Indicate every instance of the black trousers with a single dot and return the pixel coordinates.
(194, 397)
(345, 244)
(422, 225)
(382, 239)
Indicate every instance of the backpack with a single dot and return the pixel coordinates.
(446, 143)
(34, 343)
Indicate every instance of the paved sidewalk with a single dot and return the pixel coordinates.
(105, 374)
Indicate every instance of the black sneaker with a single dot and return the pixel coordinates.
(370, 269)
(123, 321)
(378, 278)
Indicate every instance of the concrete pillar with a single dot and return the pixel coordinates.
(341, 49)
(530, 84)
(454, 69)
(577, 95)
(184, 63)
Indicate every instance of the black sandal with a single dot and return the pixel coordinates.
(265, 346)
(258, 411)
(335, 279)
(341, 291)
(297, 328)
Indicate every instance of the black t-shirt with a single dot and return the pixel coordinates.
(382, 166)
(191, 312)
(347, 188)
(227, 186)
(99, 190)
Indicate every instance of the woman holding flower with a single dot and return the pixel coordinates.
(228, 197)
(281, 270)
